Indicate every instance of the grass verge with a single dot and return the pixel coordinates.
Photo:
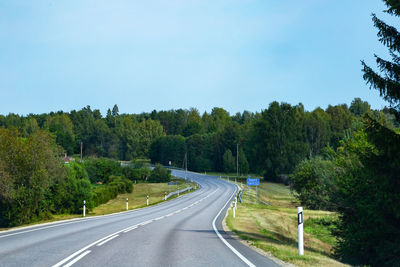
(274, 228)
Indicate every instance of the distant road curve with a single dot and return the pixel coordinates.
(186, 231)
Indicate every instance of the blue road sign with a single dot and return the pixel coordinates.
(254, 181)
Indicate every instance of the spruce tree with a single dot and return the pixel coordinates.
(369, 194)
(387, 80)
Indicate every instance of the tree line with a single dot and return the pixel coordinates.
(270, 143)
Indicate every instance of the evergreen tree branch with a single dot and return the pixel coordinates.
(391, 70)
(387, 34)
(394, 7)
(388, 88)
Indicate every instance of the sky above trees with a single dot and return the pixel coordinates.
(145, 55)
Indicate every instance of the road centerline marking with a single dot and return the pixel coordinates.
(77, 259)
(130, 229)
(113, 235)
(105, 241)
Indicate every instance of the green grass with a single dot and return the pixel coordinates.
(322, 228)
(274, 228)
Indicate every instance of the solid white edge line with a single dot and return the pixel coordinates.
(77, 259)
(105, 241)
(243, 258)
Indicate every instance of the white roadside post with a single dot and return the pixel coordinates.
(126, 203)
(233, 209)
(165, 196)
(300, 227)
(84, 208)
(147, 200)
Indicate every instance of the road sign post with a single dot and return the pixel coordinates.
(84, 208)
(147, 200)
(256, 182)
(300, 229)
(256, 193)
(126, 203)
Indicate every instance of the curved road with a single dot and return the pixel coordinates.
(185, 231)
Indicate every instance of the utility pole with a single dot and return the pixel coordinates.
(186, 166)
(81, 150)
(237, 161)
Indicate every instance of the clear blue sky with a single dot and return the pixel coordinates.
(169, 54)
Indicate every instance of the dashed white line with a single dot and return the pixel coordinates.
(105, 241)
(146, 222)
(130, 229)
(77, 258)
(83, 249)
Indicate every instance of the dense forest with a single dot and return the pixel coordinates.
(271, 143)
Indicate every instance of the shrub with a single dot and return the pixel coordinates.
(313, 182)
(76, 189)
(100, 169)
(133, 173)
(123, 184)
(102, 194)
(160, 175)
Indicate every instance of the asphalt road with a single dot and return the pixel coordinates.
(185, 231)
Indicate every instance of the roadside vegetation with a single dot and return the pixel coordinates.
(138, 197)
(36, 184)
(270, 224)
